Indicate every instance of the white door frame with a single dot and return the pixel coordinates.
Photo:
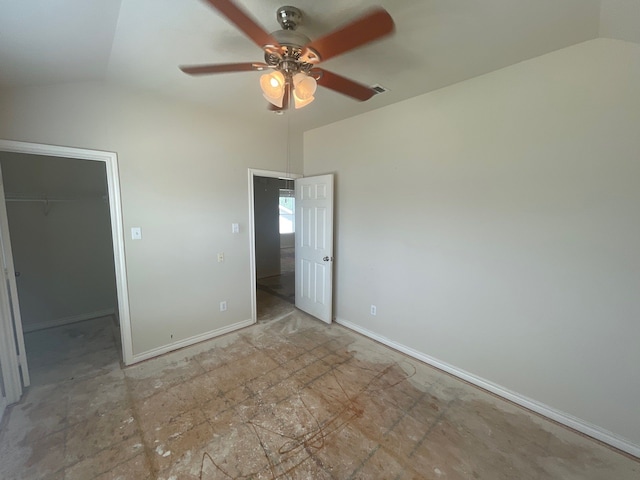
(9, 360)
(252, 233)
(117, 230)
(10, 305)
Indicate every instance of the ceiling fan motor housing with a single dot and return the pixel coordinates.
(288, 55)
(289, 17)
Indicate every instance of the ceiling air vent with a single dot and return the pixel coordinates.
(379, 89)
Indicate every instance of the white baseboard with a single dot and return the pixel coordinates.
(26, 328)
(578, 424)
(189, 341)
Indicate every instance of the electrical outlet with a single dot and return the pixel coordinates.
(220, 257)
(223, 306)
(374, 310)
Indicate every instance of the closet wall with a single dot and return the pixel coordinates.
(62, 247)
(269, 240)
(266, 192)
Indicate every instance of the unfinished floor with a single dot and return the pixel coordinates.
(290, 398)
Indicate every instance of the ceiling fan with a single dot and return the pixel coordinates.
(293, 57)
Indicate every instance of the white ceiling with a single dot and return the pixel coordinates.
(140, 43)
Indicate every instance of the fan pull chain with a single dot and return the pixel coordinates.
(288, 168)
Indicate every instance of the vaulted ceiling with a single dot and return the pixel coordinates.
(140, 43)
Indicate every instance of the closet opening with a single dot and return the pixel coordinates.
(60, 230)
(63, 251)
(272, 206)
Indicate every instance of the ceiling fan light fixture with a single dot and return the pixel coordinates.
(299, 103)
(304, 86)
(272, 85)
(277, 101)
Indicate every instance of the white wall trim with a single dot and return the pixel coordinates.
(252, 230)
(58, 322)
(187, 342)
(581, 426)
(115, 210)
(10, 322)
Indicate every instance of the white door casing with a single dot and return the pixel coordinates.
(12, 354)
(252, 233)
(12, 287)
(117, 228)
(314, 246)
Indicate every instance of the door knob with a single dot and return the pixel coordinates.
(328, 259)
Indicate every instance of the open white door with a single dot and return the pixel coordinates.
(7, 373)
(12, 351)
(10, 386)
(314, 246)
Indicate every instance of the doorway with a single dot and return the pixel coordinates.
(46, 204)
(273, 242)
(313, 241)
(58, 219)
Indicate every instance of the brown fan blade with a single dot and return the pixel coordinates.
(342, 85)
(222, 68)
(244, 22)
(371, 26)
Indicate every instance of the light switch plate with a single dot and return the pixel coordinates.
(235, 228)
(136, 233)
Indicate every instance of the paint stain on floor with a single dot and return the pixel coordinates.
(286, 399)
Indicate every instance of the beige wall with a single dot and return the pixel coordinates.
(287, 240)
(65, 260)
(267, 226)
(495, 225)
(184, 181)
(620, 19)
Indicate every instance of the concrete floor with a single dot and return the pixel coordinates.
(290, 398)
